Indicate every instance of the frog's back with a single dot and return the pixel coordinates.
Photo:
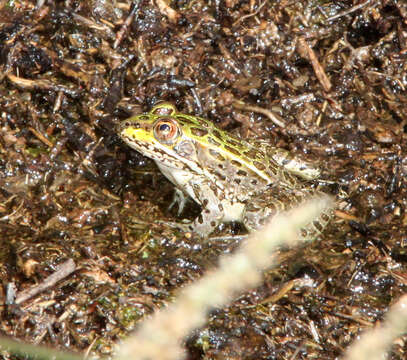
(238, 166)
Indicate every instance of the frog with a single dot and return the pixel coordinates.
(232, 179)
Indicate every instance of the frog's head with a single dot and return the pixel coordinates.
(159, 135)
(190, 143)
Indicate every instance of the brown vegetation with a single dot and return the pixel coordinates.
(334, 74)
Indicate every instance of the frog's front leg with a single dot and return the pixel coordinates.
(212, 210)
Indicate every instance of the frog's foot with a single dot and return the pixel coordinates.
(179, 199)
(186, 227)
(199, 226)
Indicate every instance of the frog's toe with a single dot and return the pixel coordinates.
(179, 199)
(186, 227)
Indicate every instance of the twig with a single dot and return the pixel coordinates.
(42, 84)
(273, 117)
(250, 15)
(41, 137)
(102, 28)
(309, 54)
(125, 27)
(62, 272)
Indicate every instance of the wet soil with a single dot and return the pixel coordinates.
(334, 74)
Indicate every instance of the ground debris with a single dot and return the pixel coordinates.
(326, 80)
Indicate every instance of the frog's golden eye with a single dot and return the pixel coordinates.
(166, 130)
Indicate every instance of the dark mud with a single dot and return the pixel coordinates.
(335, 73)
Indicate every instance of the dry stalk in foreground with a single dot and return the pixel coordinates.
(160, 337)
(374, 344)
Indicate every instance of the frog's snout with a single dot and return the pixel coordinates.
(126, 124)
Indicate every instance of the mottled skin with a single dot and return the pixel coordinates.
(232, 179)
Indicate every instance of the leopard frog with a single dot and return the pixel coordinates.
(232, 179)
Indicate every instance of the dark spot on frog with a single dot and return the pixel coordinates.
(259, 165)
(198, 132)
(131, 124)
(216, 155)
(252, 153)
(318, 226)
(242, 173)
(232, 150)
(233, 142)
(212, 141)
(214, 188)
(325, 217)
(200, 219)
(143, 117)
(217, 134)
(220, 176)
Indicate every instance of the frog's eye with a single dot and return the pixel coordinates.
(166, 130)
